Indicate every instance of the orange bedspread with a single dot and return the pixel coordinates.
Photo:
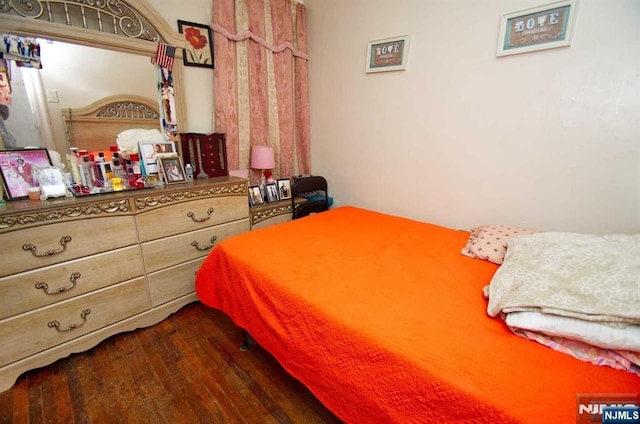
(384, 320)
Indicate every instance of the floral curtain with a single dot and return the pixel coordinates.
(261, 82)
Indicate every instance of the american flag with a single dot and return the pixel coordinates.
(164, 56)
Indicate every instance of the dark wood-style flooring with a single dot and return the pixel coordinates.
(186, 369)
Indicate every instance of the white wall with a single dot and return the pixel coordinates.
(547, 140)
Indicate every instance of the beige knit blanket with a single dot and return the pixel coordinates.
(590, 277)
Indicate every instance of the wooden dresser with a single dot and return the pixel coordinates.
(75, 271)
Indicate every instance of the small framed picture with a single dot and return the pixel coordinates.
(17, 168)
(539, 28)
(52, 183)
(389, 54)
(149, 153)
(284, 188)
(255, 195)
(272, 192)
(199, 48)
(172, 169)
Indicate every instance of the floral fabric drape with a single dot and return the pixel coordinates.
(261, 82)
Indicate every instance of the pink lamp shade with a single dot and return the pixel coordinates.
(262, 158)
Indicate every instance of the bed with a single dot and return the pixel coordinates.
(96, 126)
(384, 320)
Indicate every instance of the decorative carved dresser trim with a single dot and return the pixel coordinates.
(270, 213)
(65, 213)
(164, 199)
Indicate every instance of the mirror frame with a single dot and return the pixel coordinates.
(12, 22)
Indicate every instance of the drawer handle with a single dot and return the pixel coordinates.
(83, 315)
(197, 245)
(32, 247)
(73, 278)
(205, 218)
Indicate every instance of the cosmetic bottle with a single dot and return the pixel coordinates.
(136, 171)
(119, 172)
(188, 170)
(73, 165)
(116, 182)
(112, 149)
(108, 174)
(97, 176)
(85, 173)
(128, 169)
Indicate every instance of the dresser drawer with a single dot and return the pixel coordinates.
(33, 332)
(188, 216)
(44, 286)
(159, 254)
(174, 282)
(37, 247)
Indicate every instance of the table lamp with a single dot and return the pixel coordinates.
(262, 159)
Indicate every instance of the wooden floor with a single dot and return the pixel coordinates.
(186, 369)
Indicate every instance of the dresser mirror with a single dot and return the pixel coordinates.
(110, 43)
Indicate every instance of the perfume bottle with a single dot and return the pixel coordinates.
(136, 171)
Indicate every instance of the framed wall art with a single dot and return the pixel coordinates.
(18, 167)
(539, 28)
(199, 47)
(389, 54)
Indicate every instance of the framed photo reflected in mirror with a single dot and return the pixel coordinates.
(18, 166)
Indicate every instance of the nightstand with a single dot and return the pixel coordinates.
(272, 213)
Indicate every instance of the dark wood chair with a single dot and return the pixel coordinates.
(314, 189)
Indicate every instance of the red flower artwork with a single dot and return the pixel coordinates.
(198, 50)
(197, 40)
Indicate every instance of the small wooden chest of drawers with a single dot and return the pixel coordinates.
(206, 152)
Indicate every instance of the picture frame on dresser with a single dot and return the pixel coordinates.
(172, 169)
(51, 183)
(255, 195)
(17, 168)
(284, 188)
(272, 193)
(150, 151)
